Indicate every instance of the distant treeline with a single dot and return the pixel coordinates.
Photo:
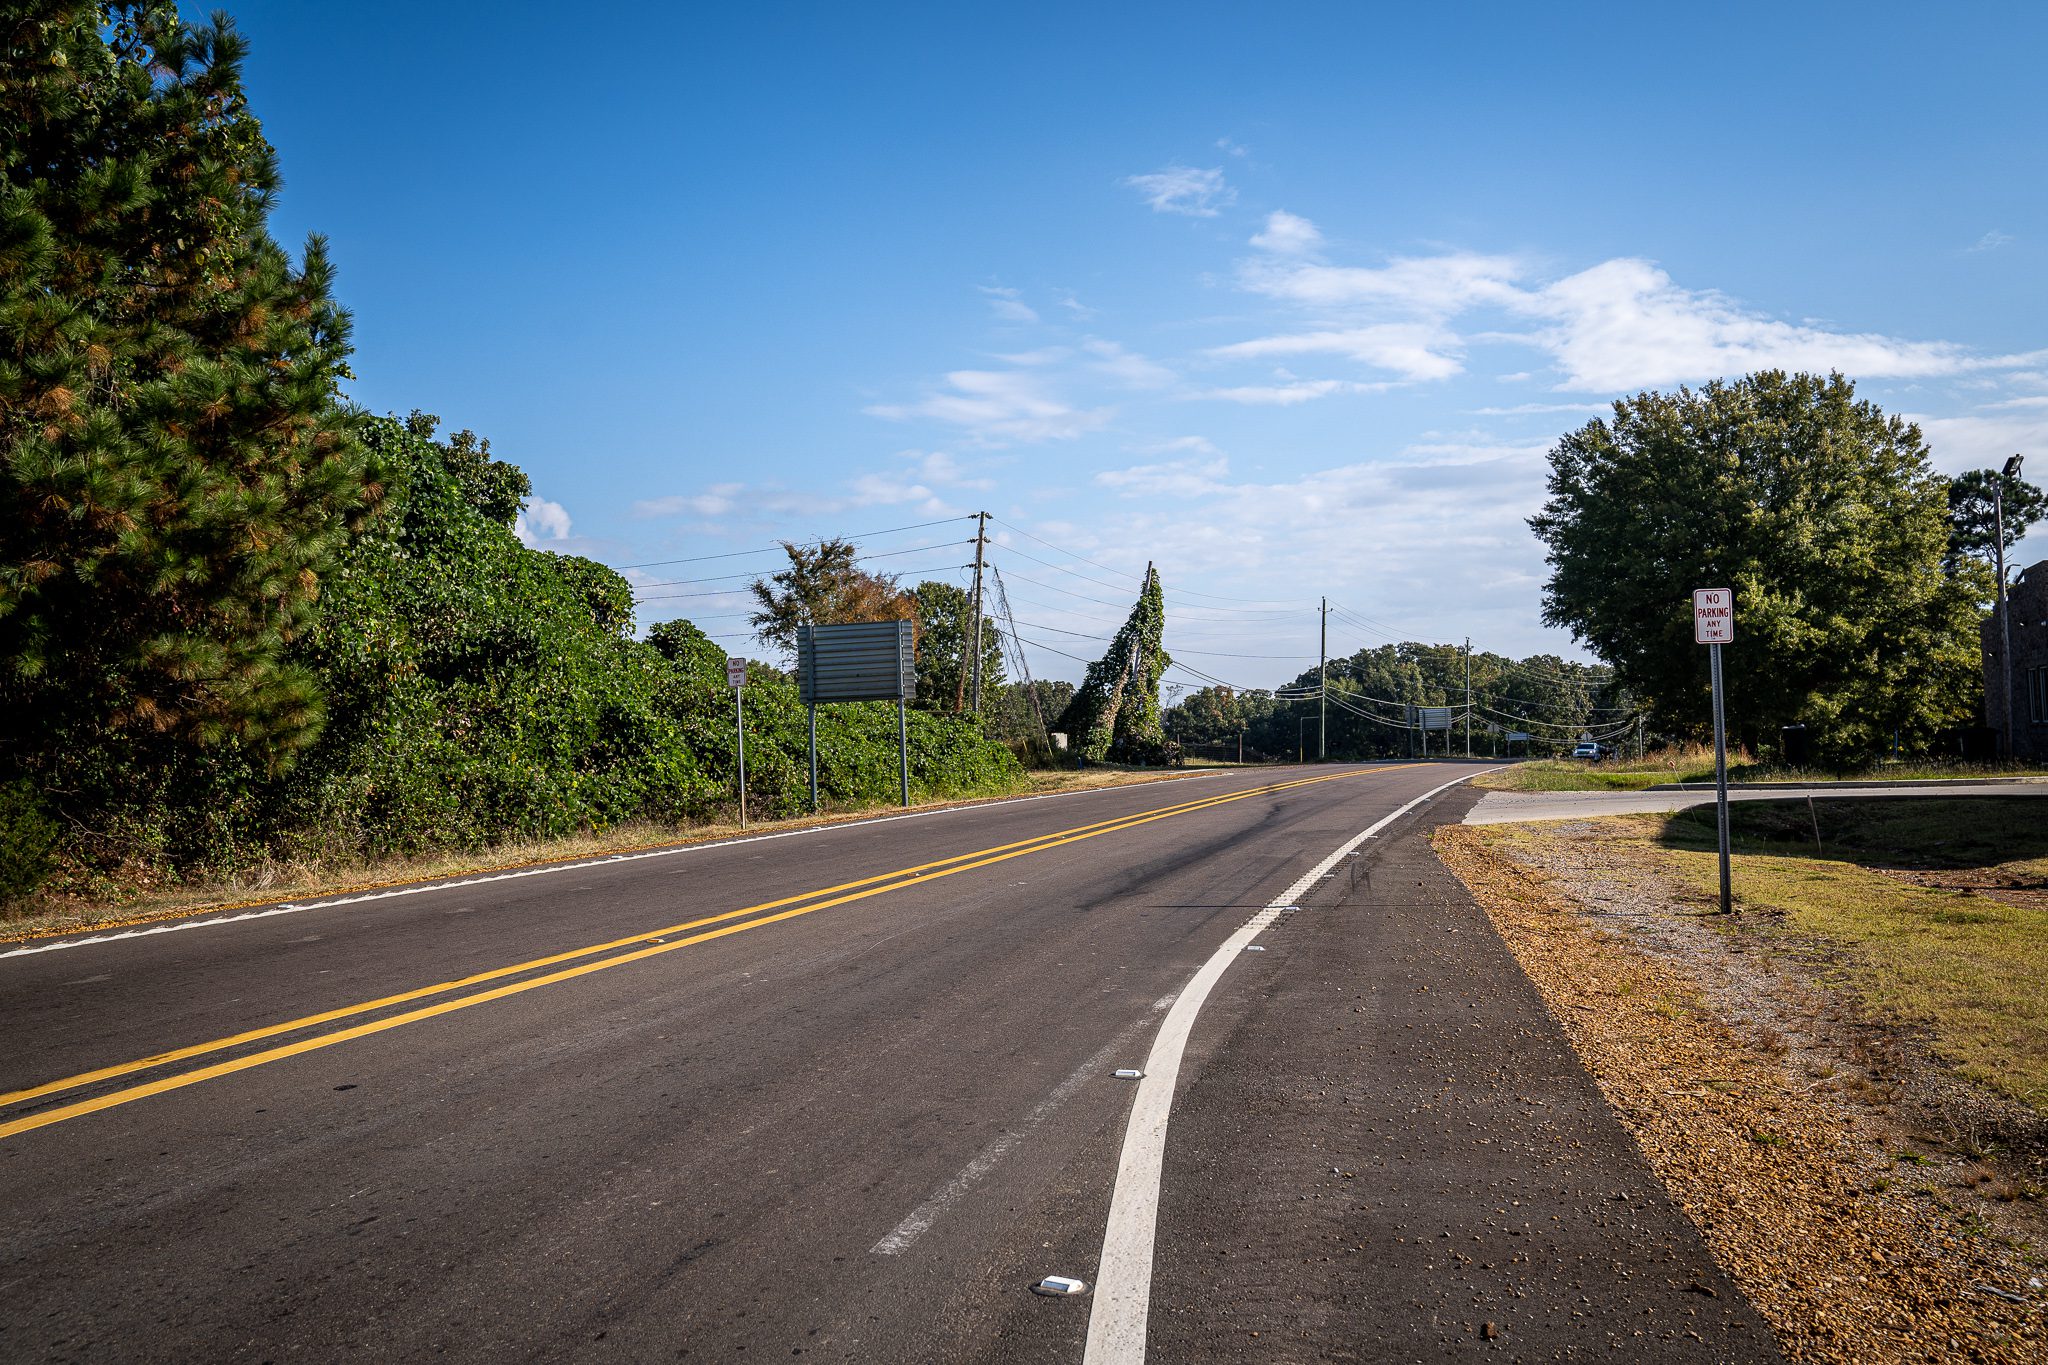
(1544, 696)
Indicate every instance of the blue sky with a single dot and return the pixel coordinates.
(1290, 300)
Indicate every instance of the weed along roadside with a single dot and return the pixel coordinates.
(108, 907)
(1846, 1085)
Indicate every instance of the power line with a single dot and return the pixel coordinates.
(770, 549)
(735, 592)
(857, 559)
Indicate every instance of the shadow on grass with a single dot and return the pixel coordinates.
(1889, 832)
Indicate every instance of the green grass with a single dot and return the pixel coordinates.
(1952, 960)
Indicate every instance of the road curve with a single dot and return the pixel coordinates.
(846, 1094)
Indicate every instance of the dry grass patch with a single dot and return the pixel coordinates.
(1774, 1115)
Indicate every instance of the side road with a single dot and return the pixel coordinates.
(1499, 808)
(1388, 1150)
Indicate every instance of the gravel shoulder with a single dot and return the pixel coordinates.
(1840, 1175)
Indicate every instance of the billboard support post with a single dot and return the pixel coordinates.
(903, 748)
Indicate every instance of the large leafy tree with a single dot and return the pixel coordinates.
(823, 585)
(945, 644)
(176, 471)
(1817, 509)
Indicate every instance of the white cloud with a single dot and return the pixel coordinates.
(1230, 148)
(1412, 350)
(1617, 326)
(997, 406)
(1424, 286)
(1169, 479)
(1200, 445)
(541, 520)
(1983, 440)
(938, 467)
(1623, 324)
(1540, 409)
(1286, 234)
(715, 501)
(1128, 368)
(1008, 304)
(1073, 305)
(1044, 355)
(1993, 240)
(1286, 394)
(883, 490)
(1185, 190)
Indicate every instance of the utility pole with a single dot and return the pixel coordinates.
(1323, 685)
(1468, 697)
(980, 539)
(2011, 471)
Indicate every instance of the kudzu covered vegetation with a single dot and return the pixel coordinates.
(242, 621)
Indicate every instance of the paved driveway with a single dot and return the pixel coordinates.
(1500, 808)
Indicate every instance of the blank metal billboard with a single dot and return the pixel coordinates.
(861, 661)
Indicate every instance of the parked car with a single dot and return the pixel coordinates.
(1586, 749)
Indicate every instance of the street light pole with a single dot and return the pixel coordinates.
(2011, 471)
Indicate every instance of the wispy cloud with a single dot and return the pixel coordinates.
(1127, 368)
(939, 467)
(1073, 305)
(1618, 325)
(1540, 409)
(1168, 479)
(1413, 350)
(1992, 240)
(998, 406)
(1008, 304)
(1185, 190)
(715, 501)
(1285, 394)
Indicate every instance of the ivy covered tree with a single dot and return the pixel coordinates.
(177, 474)
(1115, 713)
(1818, 510)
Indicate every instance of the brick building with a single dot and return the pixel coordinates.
(2026, 599)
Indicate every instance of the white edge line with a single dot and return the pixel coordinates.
(1123, 1278)
(602, 860)
(924, 1215)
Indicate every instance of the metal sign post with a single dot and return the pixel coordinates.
(736, 679)
(1713, 625)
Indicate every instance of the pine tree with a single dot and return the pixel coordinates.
(176, 468)
(1115, 715)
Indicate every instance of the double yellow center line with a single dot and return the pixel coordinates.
(652, 943)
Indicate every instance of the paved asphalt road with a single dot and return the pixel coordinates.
(739, 1102)
(1501, 808)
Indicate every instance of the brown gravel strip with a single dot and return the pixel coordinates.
(1850, 1254)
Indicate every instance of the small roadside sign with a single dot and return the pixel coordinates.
(735, 672)
(1713, 624)
(1713, 616)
